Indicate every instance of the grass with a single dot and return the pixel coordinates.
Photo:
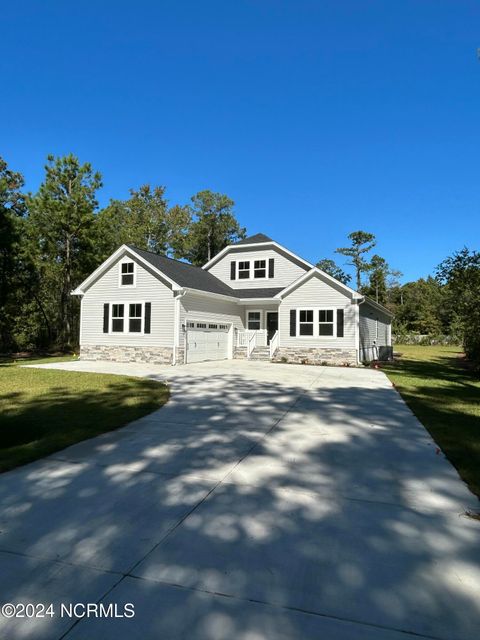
(445, 396)
(45, 410)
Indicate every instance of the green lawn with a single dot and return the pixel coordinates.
(445, 396)
(42, 410)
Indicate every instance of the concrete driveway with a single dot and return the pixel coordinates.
(262, 502)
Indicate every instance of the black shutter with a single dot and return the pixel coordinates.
(339, 323)
(271, 268)
(106, 309)
(293, 322)
(148, 315)
(232, 271)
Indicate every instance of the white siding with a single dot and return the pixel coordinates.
(197, 307)
(369, 316)
(317, 294)
(148, 289)
(285, 271)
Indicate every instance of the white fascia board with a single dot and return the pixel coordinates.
(249, 246)
(80, 290)
(316, 271)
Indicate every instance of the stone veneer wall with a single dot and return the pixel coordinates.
(153, 355)
(240, 353)
(313, 355)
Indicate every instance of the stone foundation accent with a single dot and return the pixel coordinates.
(180, 355)
(318, 356)
(116, 353)
(240, 353)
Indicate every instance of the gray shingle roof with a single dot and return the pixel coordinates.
(257, 293)
(184, 274)
(258, 238)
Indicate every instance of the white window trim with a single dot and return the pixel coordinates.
(299, 323)
(252, 270)
(316, 322)
(127, 286)
(126, 319)
(260, 311)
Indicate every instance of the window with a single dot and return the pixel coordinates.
(135, 318)
(213, 326)
(244, 270)
(191, 325)
(118, 314)
(223, 326)
(325, 322)
(201, 325)
(305, 321)
(127, 274)
(254, 320)
(260, 269)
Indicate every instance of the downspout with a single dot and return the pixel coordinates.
(360, 301)
(176, 324)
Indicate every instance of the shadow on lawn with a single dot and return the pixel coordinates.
(34, 426)
(314, 514)
(445, 396)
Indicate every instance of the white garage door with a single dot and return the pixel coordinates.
(207, 341)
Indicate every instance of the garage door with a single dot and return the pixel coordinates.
(207, 341)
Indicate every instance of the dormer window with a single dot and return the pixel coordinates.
(260, 269)
(127, 274)
(244, 270)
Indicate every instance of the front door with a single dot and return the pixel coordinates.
(272, 324)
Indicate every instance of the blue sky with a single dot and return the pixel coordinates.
(317, 117)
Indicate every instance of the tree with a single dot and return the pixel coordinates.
(419, 306)
(12, 211)
(214, 226)
(460, 273)
(378, 271)
(332, 268)
(361, 243)
(143, 220)
(61, 217)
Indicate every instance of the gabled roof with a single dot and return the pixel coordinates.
(184, 274)
(315, 271)
(380, 307)
(258, 238)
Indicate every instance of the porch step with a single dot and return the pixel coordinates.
(260, 353)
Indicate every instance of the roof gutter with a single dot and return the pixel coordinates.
(176, 324)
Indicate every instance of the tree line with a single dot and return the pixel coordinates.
(53, 239)
(445, 305)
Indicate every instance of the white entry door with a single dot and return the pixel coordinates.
(207, 341)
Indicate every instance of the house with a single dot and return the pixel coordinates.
(255, 299)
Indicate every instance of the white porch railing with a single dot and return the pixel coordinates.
(273, 344)
(245, 337)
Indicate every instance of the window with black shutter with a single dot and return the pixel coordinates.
(106, 319)
(271, 267)
(325, 322)
(293, 322)
(148, 316)
(340, 323)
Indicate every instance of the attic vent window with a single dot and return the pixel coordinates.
(127, 274)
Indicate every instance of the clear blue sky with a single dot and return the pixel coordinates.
(317, 117)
